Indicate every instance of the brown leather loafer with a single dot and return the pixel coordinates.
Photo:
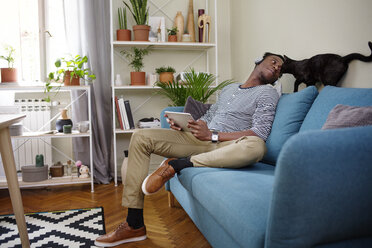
(158, 178)
(122, 234)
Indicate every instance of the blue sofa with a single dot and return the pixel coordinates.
(312, 189)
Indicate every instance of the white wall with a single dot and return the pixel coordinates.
(301, 29)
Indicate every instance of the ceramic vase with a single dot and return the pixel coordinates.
(64, 120)
(179, 23)
(200, 12)
(190, 21)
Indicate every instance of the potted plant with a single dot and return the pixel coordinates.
(9, 74)
(123, 33)
(172, 34)
(140, 13)
(135, 57)
(69, 72)
(196, 85)
(165, 74)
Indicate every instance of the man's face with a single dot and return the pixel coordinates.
(269, 69)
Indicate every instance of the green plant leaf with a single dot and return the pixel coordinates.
(58, 63)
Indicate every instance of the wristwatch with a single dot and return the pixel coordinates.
(214, 136)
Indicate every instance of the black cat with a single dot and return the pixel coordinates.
(324, 68)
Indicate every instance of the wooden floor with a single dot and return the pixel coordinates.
(166, 227)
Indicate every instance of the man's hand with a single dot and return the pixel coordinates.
(200, 130)
(172, 124)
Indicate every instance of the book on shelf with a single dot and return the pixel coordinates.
(129, 114)
(123, 112)
(118, 113)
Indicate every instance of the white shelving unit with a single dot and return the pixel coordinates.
(203, 49)
(32, 87)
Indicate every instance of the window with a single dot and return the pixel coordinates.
(20, 29)
(35, 28)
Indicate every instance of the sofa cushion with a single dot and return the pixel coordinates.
(348, 116)
(196, 108)
(328, 98)
(238, 199)
(290, 113)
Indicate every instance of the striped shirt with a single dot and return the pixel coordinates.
(240, 109)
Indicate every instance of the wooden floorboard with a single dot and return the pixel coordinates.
(166, 227)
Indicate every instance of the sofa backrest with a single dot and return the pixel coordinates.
(290, 113)
(328, 98)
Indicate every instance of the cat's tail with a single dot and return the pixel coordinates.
(358, 56)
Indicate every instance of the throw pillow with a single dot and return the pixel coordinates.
(195, 108)
(290, 113)
(348, 116)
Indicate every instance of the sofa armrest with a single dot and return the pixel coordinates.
(323, 188)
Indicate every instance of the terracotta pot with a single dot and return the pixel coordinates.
(172, 38)
(166, 77)
(124, 35)
(141, 32)
(75, 80)
(138, 78)
(8, 75)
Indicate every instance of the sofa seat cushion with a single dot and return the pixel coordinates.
(238, 199)
(328, 98)
(290, 113)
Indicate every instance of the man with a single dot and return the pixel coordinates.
(231, 134)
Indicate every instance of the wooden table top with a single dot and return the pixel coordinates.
(7, 120)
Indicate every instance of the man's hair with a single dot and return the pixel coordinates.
(267, 54)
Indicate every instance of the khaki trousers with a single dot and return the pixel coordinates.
(177, 144)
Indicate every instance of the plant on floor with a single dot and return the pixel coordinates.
(198, 85)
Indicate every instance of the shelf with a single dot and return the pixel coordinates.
(165, 45)
(124, 131)
(32, 86)
(35, 135)
(140, 87)
(50, 182)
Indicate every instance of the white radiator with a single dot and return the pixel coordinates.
(25, 149)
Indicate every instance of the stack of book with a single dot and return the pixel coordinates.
(124, 114)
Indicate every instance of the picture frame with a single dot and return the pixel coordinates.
(156, 22)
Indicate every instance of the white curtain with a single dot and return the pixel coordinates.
(87, 25)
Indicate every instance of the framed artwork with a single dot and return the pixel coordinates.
(157, 23)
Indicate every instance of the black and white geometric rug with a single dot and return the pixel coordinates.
(68, 228)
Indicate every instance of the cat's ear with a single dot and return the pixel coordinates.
(286, 59)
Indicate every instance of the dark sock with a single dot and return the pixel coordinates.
(180, 163)
(135, 218)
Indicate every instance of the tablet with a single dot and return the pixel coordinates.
(180, 119)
